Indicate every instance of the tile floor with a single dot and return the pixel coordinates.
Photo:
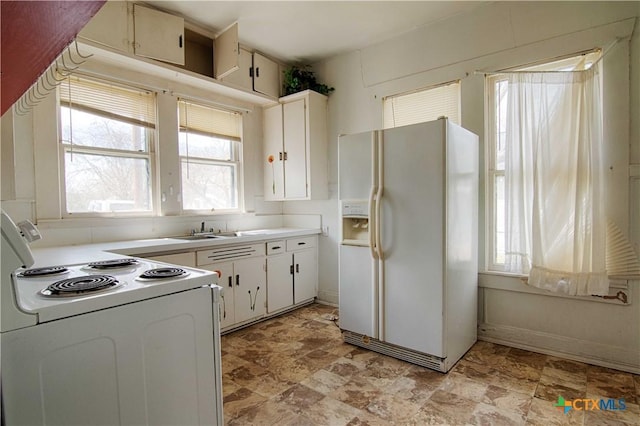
(295, 370)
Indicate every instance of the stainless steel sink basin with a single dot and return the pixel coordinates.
(206, 236)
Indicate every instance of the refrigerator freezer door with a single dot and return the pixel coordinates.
(358, 270)
(412, 237)
(355, 158)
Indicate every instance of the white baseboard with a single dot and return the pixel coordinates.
(561, 346)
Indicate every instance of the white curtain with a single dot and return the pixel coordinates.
(555, 221)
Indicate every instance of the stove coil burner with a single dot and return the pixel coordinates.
(43, 272)
(112, 263)
(77, 286)
(160, 273)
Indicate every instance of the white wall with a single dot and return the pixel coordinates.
(493, 37)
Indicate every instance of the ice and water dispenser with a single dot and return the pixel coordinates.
(355, 222)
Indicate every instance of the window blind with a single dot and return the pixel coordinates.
(210, 121)
(423, 105)
(109, 100)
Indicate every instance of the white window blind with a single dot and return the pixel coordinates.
(209, 121)
(423, 105)
(109, 100)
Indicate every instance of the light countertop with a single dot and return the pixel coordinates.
(72, 255)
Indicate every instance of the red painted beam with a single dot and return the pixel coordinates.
(34, 33)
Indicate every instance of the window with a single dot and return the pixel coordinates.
(106, 142)
(209, 148)
(422, 105)
(497, 87)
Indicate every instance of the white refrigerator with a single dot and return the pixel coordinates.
(409, 238)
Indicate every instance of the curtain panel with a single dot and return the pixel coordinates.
(555, 220)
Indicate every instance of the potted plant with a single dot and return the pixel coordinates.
(298, 78)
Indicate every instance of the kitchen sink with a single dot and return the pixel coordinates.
(206, 236)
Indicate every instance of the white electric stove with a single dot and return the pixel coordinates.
(121, 341)
(66, 290)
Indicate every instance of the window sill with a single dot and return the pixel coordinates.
(503, 281)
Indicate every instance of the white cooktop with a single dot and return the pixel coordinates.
(130, 288)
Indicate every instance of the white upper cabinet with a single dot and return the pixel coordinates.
(241, 67)
(266, 76)
(138, 30)
(135, 29)
(273, 155)
(158, 35)
(295, 138)
(110, 26)
(226, 52)
(294, 125)
(242, 76)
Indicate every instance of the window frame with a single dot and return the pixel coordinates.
(65, 147)
(236, 161)
(492, 173)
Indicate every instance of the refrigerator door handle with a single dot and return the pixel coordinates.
(378, 236)
(372, 221)
(379, 194)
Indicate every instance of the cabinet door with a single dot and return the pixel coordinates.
(249, 288)
(266, 79)
(158, 35)
(242, 76)
(295, 141)
(226, 52)
(110, 26)
(279, 282)
(274, 170)
(226, 281)
(305, 279)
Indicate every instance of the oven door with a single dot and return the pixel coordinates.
(146, 363)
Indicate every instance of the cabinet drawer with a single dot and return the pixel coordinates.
(275, 247)
(224, 253)
(301, 243)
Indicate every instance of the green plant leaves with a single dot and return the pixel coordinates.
(300, 78)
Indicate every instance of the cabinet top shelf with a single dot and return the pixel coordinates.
(303, 94)
(171, 73)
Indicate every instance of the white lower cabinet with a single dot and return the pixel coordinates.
(244, 294)
(243, 279)
(292, 272)
(305, 276)
(280, 290)
(258, 280)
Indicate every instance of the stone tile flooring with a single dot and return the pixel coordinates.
(295, 370)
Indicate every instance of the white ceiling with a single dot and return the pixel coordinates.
(309, 31)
